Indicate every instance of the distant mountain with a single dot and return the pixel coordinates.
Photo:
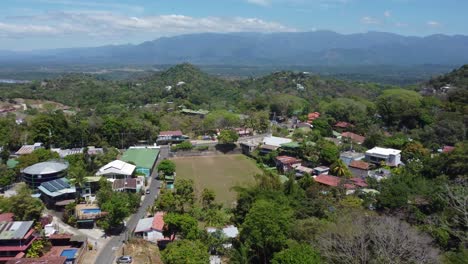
(301, 48)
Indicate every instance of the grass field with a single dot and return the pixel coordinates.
(219, 173)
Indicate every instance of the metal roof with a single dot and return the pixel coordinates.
(56, 187)
(14, 230)
(142, 157)
(47, 167)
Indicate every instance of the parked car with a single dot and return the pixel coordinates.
(124, 259)
(147, 191)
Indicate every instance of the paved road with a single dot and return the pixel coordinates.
(107, 254)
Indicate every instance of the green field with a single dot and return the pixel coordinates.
(218, 173)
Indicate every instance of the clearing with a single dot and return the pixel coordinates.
(219, 173)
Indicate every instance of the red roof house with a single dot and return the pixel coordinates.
(7, 217)
(342, 124)
(354, 137)
(333, 181)
(286, 163)
(312, 116)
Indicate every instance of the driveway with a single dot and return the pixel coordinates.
(107, 254)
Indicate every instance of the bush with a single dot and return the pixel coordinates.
(202, 148)
(186, 145)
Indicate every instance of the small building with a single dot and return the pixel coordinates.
(116, 169)
(320, 170)
(359, 168)
(67, 152)
(248, 147)
(28, 149)
(312, 116)
(353, 137)
(286, 163)
(303, 125)
(348, 156)
(151, 229)
(391, 157)
(447, 149)
(143, 157)
(380, 174)
(16, 238)
(91, 185)
(57, 193)
(302, 170)
(348, 184)
(201, 113)
(42, 172)
(171, 137)
(128, 185)
(244, 132)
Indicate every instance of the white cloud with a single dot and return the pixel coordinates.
(387, 13)
(109, 24)
(369, 20)
(260, 2)
(433, 24)
(401, 24)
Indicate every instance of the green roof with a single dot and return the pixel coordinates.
(11, 163)
(93, 178)
(142, 157)
(291, 145)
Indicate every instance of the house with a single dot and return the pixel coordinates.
(228, 232)
(87, 214)
(41, 260)
(349, 184)
(248, 147)
(271, 143)
(72, 247)
(116, 169)
(353, 137)
(302, 170)
(348, 156)
(303, 125)
(312, 116)
(143, 157)
(343, 125)
(286, 163)
(447, 149)
(380, 174)
(169, 137)
(244, 132)
(41, 172)
(128, 185)
(359, 168)
(201, 113)
(320, 170)
(67, 152)
(391, 157)
(57, 193)
(28, 149)
(151, 229)
(91, 185)
(16, 237)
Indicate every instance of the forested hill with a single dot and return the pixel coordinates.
(186, 85)
(457, 78)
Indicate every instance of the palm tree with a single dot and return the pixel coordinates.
(240, 255)
(78, 178)
(340, 169)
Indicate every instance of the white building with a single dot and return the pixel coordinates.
(391, 157)
(116, 169)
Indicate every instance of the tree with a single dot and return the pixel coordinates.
(166, 201)
(297, 254)
(186, 252)
(329, 152)
(228, 137)
(38, 155)
(182, 225)
(38, 248)
(265, 228)
(208, 197)
(117, 209)
(399, 107)
(356, 238)
(78, 178)
(184, 194)
(25, 207)
(340, 169)
(7, 176)
(167, 167)
(4, 155)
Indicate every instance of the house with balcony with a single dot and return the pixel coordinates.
(387, 156)
(16, 237)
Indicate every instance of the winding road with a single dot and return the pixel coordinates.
(107, 254)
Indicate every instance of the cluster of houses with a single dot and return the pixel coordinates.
(17, 237)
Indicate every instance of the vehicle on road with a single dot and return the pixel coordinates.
(124, 259)
(147, 191)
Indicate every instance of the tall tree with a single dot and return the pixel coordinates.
(186, 252)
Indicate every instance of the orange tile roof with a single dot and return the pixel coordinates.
(343, 124)
(359, 164)
(288, 160)
(158, 221)
(354, 137)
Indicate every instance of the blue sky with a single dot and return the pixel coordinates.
(39, 24)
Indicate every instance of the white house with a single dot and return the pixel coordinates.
(116, 169)
(151, 228)
(391, 157)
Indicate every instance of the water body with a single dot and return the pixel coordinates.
(10, 81)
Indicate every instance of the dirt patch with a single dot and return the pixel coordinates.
(143, 252)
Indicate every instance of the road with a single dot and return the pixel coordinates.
(107, 254)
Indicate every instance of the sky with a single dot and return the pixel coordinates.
(46, 24)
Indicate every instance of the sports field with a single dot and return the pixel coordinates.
(218, 173)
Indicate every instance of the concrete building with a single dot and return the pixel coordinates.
(116, 169)
(143, 157)
(377, 155)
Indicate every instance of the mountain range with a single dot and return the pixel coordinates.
(298, 48)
